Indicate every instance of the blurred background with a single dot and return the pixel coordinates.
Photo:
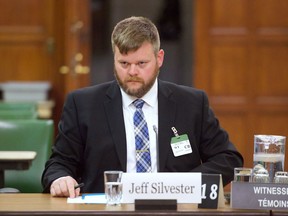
(237, 51)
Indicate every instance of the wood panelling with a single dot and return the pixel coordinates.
(33, 13)
(37, 37)
(272, 70)
(24, 54)
(225, 15)
(241, 61)
(236, 124)
(25, 28)
(227, 64)
(270, 13)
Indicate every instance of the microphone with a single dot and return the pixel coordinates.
(157, 146)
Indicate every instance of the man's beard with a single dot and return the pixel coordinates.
(139, 92)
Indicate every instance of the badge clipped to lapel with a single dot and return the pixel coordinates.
(180, 144)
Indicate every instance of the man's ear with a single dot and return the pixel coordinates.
(160, 57)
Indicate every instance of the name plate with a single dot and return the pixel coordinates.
(184, 187)
(270, 196)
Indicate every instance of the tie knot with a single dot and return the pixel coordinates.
(138, 103)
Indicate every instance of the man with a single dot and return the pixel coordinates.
(97, 131)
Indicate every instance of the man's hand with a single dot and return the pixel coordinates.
(64, 187)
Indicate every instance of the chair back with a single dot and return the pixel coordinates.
(18, 110)
(27, 135)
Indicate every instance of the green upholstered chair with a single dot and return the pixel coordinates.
(27, 135)
(18, 110)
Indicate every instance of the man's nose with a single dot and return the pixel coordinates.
(133, 69)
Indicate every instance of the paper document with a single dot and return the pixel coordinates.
(88, 198)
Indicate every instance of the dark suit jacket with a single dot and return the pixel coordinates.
(92, 137)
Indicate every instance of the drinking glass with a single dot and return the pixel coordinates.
(113, 187)
(261, 176)
(281, 177)
(242, 174)
(269, 151)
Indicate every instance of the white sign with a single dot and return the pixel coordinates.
(184, 187)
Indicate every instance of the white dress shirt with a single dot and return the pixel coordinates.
(150, 110)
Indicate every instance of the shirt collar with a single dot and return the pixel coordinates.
(150, 97)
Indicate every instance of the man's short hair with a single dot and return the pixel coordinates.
(130, 33)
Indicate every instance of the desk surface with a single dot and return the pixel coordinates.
(14, 160)
(44, 204)
(17, 155)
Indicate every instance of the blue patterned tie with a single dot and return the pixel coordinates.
(143, 159)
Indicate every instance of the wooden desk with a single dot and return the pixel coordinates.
(44, 204)
(14, 160)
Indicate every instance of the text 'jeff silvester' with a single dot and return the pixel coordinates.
(160, 188)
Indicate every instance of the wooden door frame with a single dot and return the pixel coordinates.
(72, 35)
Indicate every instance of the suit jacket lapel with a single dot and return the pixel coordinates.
(166, 120)
(113, 107)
